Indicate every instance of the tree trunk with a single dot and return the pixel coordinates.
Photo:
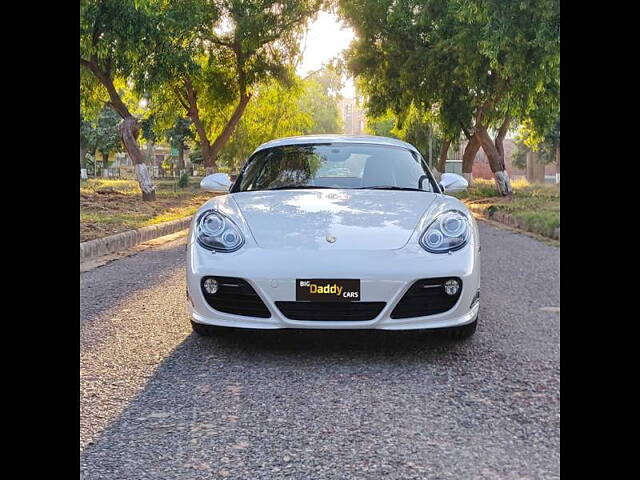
(151, 158)
(499, 141)
(468, 156)
(189, 100)
(180, 158)
(535, 168)
(128, 127)
(442, 159)
(129, 130)
(83, 157)
(205, 146)
(529, 167)
(228, 129)
(93, 159)
(105, 160)
(558, 163)
(430, 145)
(496, 161)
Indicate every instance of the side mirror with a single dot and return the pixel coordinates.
(452, 182)
(216, 183)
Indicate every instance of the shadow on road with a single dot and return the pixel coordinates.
(105, 286)
(197, 375)
(362, 343)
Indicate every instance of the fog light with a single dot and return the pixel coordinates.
(451, 287)
(211, 285)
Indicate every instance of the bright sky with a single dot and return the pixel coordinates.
(326, 38)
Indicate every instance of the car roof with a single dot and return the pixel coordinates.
(334, 138)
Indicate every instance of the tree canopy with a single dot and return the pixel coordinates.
(180, 133)
(214, 54)
(479, 64)
(319, 98)
(107, 132)
(117, 37)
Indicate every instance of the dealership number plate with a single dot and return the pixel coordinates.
(327, 290)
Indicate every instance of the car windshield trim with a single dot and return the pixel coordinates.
(427, 171)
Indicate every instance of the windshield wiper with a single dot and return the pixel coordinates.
(391, 187)
(292, 187)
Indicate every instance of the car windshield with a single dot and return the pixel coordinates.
(338, 165)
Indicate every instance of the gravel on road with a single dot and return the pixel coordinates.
(158, 402)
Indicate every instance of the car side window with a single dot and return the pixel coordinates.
(250, 172)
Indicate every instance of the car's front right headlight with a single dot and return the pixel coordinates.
(215, 231)
(448, 232)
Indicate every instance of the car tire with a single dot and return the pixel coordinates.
(206, 330)
(463, 332)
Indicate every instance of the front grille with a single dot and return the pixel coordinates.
(426, 297)
(331, 311)
(235, 296)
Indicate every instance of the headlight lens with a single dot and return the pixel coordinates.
(448, 232)
(216, 231)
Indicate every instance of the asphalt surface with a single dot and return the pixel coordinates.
(159, 402)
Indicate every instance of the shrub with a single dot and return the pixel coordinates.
(183, 181)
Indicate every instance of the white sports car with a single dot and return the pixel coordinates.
(334, 232)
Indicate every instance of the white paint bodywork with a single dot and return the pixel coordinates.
(377, 233)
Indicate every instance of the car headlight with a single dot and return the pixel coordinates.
(448, 232)
(215, 231)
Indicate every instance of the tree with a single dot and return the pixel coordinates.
(320, 94)
(115, 40)
(216, 53)
(419, 128)
(423, 130)
(87, 140)
(381, 125)
(107, 134)
(196, 157)
(147, 127)
(178, 135)
(519, 155)
(546, 142)
(274, 112)
(481, 64)
(540, 139)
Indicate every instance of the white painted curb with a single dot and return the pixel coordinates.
(124, 240)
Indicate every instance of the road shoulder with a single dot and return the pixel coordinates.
(93, 263)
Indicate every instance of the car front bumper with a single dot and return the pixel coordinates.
(384, 276)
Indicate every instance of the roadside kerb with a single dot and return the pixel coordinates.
(124, 240)
(507, 219)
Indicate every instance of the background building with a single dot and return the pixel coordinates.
(353, 115)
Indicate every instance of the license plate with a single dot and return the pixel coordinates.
(327, 290)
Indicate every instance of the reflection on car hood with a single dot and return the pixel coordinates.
(358, 219)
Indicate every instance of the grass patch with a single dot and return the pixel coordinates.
(535, 206)
(109, 206)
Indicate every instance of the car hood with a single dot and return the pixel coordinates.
(356, 219)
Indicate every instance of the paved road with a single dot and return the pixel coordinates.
(159, 402)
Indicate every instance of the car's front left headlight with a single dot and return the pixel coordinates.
(448, 232)
(215, 231)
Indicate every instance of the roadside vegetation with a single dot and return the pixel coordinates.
(216, 79)
(471, 70)
(111, 206)
(534, 207)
